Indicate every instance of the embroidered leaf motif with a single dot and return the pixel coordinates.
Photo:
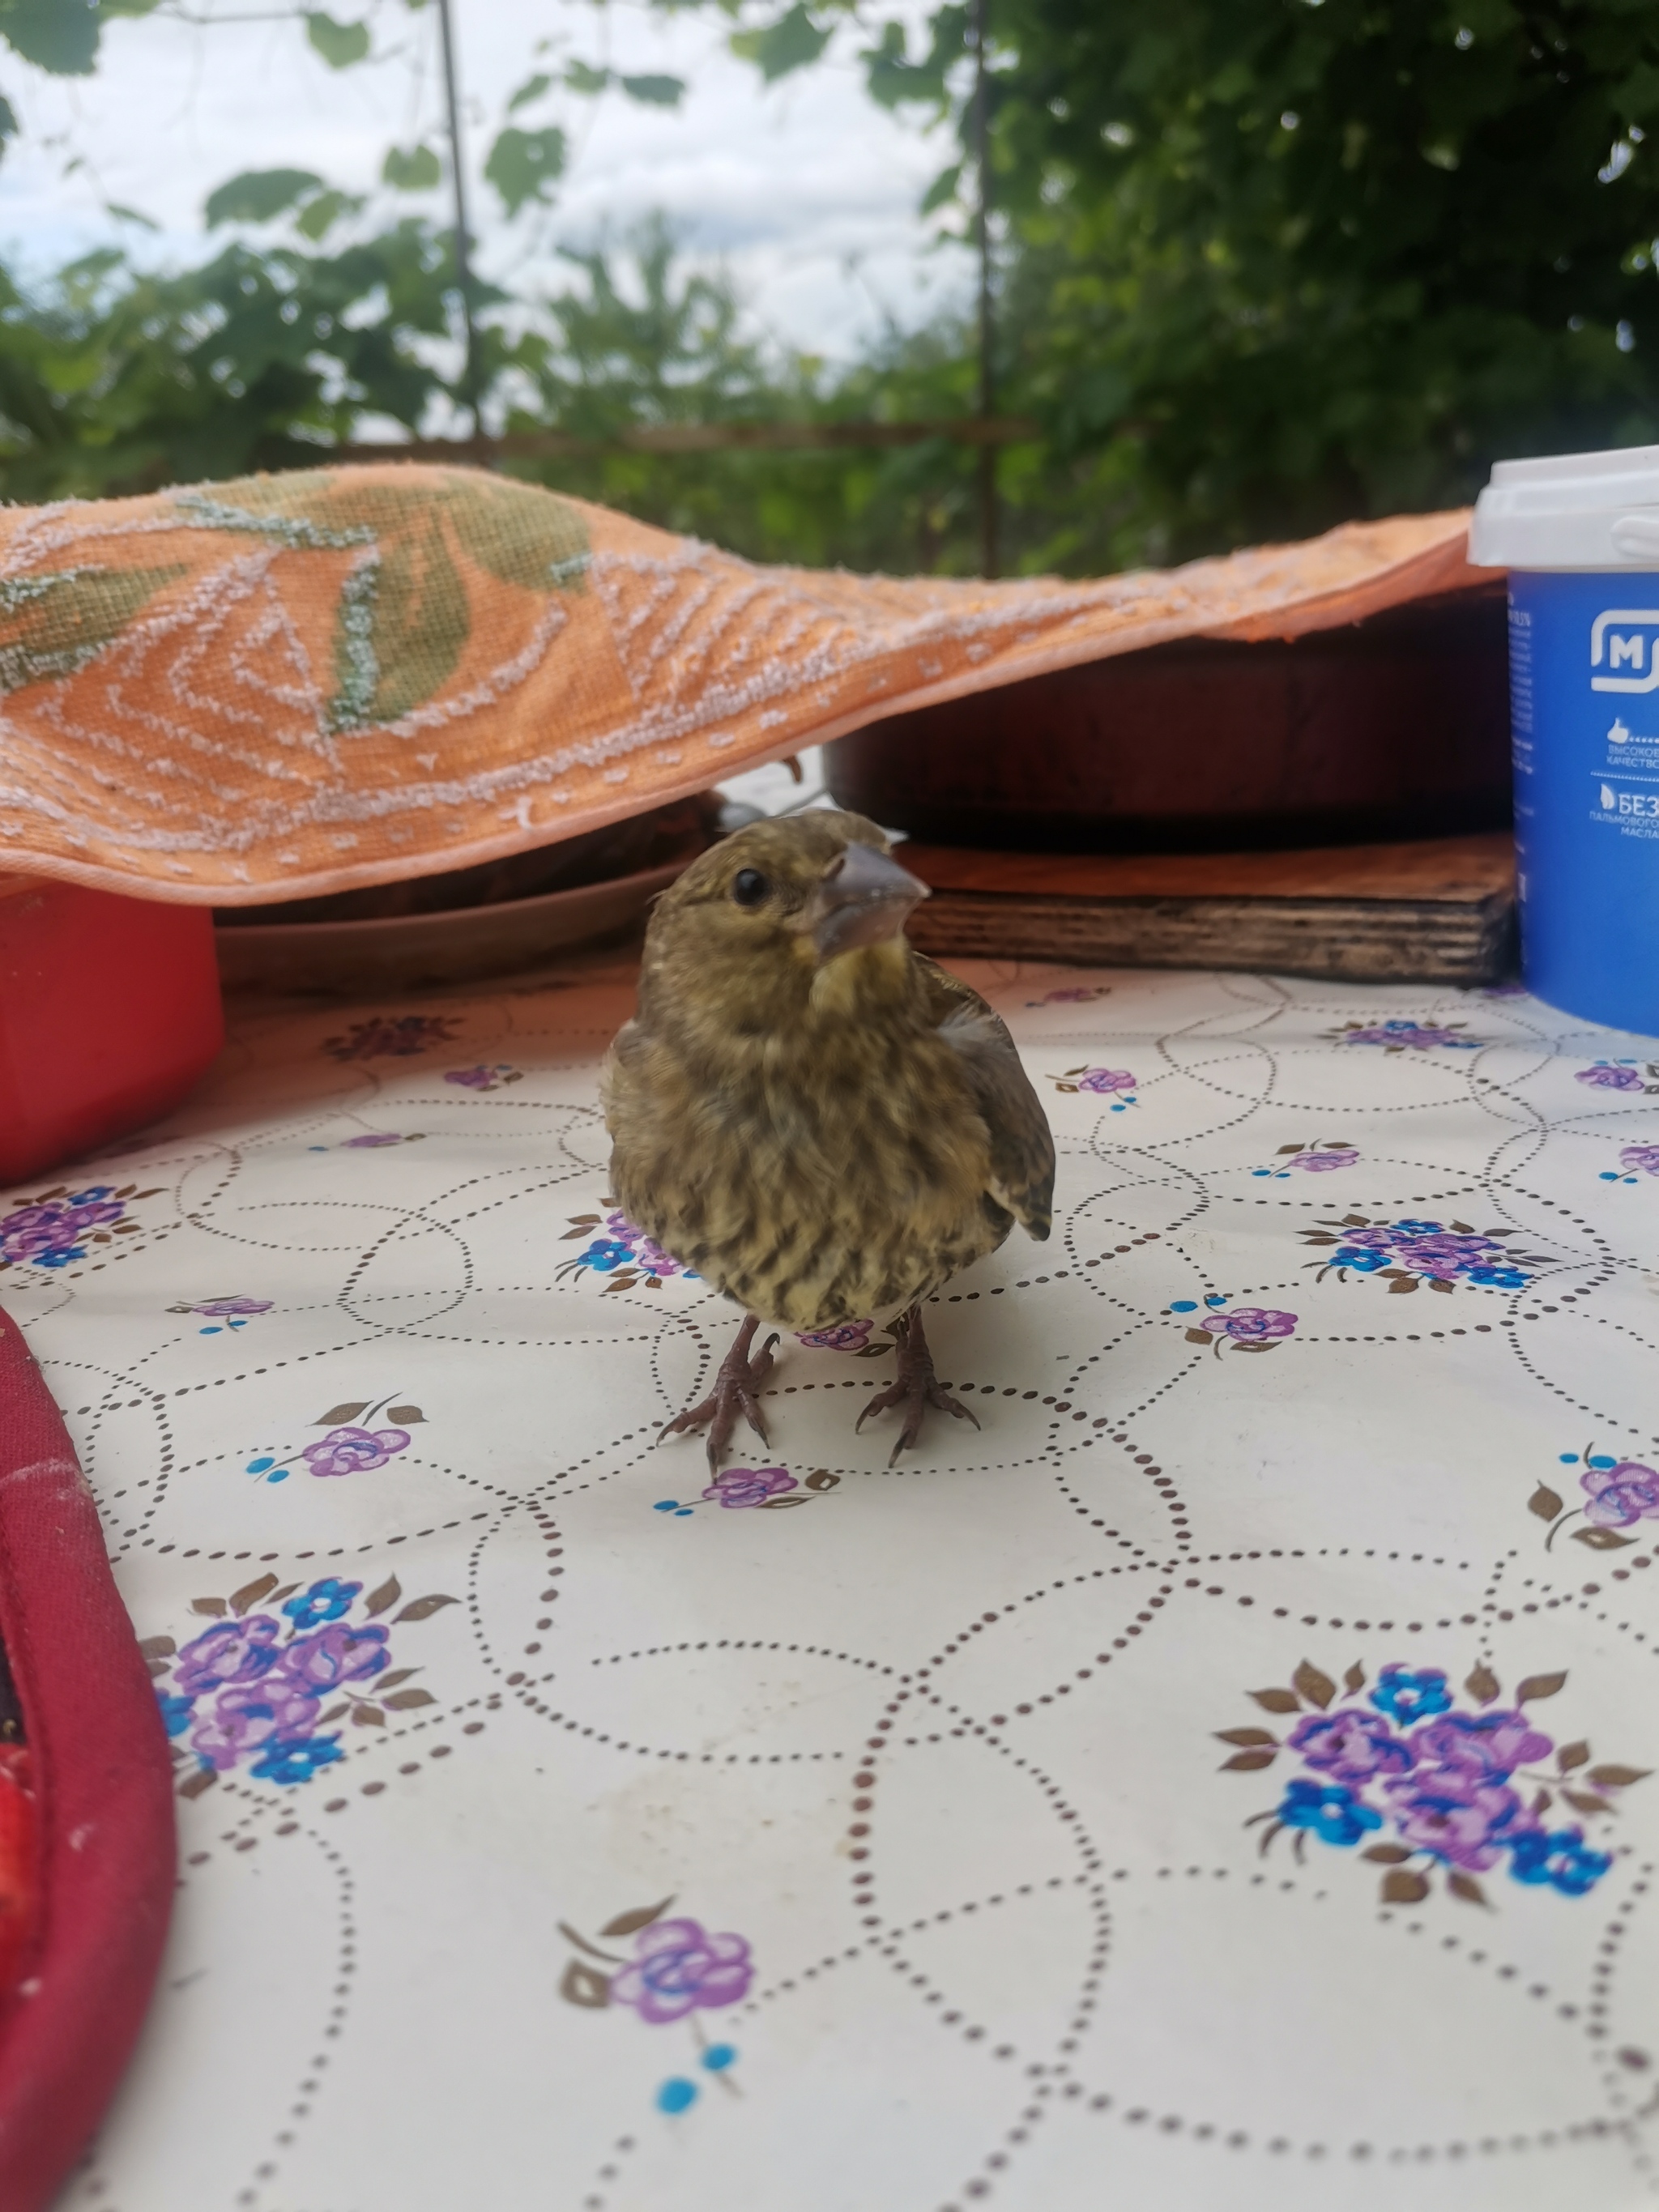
(1617, 1777)
(821, 1479)
(629, 1923)
(1439, 1283)
(406, 1701)
(1290, 1148)
(204, 1778)
(1386, 1854)
(1571, 1755)
(405, 1416)
(336, 1414)
(1247, 1762)
(368, 1716)
(251, 1593)
(52, 624)
(1544, 1503)
(388, 1594)
(158, 1647)
(423, 1608)
(213, 1605)
(1601, 1540)
(773, 1504)
(1246, 1735)
(1466, 1886)
(1354, 1679)
(1404, 1887)
(581, 1984)
(1539, 1686)
(1199, 1336)
(1318, 1689)
(384, 1682)
(1482, 1684)
(1276, 1701)
(1402, 1283)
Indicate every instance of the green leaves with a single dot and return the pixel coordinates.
(414, 170)
(654, 91)
(340, 45)
(790, 42)
(259, 196)
(522, 164)
(58, 36)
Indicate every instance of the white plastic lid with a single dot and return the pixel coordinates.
(1571, 511)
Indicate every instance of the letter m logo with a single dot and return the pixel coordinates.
(1622, 638)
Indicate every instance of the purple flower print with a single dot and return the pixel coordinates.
(348, 1451)
(1486, 1746)
(230, 1652)
(1105, 1079)
(1416, 1036)
(845, 1336)
(1251, 1324)
(1465, 1821)
(333, 1655)
(249, 1715)
(226, 1309)
(1621, 1494)
(679, 1968)
(750, 1485)
(484, 1078)
(644, 1250)
(1321, 1162)
(1603, 1077)
(1352, 1747)
(366, 1143)
(384, 1035)
(48, 1234)
(1640, 1159)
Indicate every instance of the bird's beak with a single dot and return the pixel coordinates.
(863, 899)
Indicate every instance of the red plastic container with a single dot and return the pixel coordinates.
(109, 1012)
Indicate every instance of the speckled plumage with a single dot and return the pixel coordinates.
(824, 1138)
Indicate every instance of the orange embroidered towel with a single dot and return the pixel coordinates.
(297, 684)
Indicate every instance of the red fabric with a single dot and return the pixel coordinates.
(103, 1799)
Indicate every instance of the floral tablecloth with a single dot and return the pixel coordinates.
(1220, 1781)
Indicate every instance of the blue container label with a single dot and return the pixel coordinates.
(1584, 714)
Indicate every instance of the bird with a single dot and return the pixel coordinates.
(812, 1115)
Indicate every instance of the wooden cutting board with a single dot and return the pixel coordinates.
(1438, 911)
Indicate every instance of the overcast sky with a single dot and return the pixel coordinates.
(807, 191)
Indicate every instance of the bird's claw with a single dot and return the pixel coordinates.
(735, 1385)
(915, 1389)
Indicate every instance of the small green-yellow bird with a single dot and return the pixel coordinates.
(810, 1114)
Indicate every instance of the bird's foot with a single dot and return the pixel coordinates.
(916, 1388)
(736, 1385)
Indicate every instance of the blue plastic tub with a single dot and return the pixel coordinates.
(1580, 538)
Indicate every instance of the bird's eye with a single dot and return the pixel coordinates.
(749, 887)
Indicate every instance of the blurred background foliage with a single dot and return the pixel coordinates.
(1262, 265)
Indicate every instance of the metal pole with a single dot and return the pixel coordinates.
(463, 245)
(987, 454)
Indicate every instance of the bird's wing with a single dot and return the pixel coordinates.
(1022, 1148)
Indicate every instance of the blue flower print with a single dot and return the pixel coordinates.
(1562, 1859)
(176, 1713)
(1333, 1812)
(324, 1600)
(1418, 1228)
(606, 1254)
(1499, 1278)
(1406, 1695)
(297, 1762)
(1363, 1263)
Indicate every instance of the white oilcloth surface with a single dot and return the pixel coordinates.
(961, 1897)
